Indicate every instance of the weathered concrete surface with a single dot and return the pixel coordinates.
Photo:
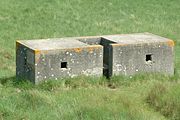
(25, 67)
(107, 52)
(141, 53)
(52, 59)
(126, 54)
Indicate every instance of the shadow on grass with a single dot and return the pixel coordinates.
(14, 82)
(5, 80)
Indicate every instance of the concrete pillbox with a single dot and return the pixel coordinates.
(38, 60)
(107, 55)
(140, 53)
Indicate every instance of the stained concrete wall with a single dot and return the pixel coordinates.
(46, 63)
(141, 53)
(107, 52)
(69, 63)
(133, 59)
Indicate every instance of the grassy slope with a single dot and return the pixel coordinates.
(135, 98)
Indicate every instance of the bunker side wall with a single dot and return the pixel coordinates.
(25, 68)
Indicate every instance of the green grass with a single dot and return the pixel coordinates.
(166, 100)
(142, 97)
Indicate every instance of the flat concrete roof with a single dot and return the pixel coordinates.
(73, 42)
(137, 38)
(50, 44)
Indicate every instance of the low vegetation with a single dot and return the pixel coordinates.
(139, 97)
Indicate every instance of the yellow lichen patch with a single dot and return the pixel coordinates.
(37, 51)
(17, 44)
(170, 43)
(95, 46)
(78, 50)
(90, 50)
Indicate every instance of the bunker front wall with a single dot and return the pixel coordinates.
(54, 64)
(142, 58)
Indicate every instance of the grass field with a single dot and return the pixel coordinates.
(141, 97)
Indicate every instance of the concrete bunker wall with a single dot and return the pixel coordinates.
(129, 59)
(37, 64)
(69, 63)
(146, 58)
(25, 63)
(107, 52)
